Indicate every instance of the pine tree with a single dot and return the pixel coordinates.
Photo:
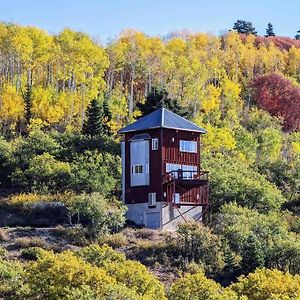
(242, 26)
(297, 36)
(27, 96)
(269, 30)
(158, 98)
(106, 117)
(93, 123)
(253, 255)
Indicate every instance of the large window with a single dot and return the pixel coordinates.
(188, 146)
(189, 171)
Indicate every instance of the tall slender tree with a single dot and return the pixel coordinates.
(93, 123)
(269, 30)
(106, 117)
(27, 96)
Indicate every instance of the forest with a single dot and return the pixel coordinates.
(63, 98)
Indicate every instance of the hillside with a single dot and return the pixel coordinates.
(63, 231)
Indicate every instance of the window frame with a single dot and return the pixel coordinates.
(154, 144)
(183, 148)
(152, 199)
(136, 168)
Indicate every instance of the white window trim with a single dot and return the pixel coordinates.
(151, 199)
(154, 144)
(133, 169)
(182, 148)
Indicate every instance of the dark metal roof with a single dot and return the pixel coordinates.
(162, 118)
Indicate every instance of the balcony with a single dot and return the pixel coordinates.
(186, 187)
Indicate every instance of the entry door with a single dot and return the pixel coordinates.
(139, 163)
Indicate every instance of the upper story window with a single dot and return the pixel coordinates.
(137, 169)
(155, 144)
(188, 146)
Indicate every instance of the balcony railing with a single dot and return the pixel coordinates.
(185, 175)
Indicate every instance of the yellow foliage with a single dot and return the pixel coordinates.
(212, 99)
(218, 139)
(267, 284)
(11, 104)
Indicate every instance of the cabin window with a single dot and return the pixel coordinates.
(173, 168)
(137, 169)
(189, 171)
(188, 146)
(152, 199)
(155, 144)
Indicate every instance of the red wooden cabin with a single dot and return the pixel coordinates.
(162, 182)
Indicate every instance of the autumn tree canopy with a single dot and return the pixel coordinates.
(280, 97)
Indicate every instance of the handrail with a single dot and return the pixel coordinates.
(179, 174)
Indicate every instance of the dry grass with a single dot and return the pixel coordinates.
(116, 240)
(27, 242)
(3, 235)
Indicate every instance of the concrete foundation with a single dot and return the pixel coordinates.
(163, 215)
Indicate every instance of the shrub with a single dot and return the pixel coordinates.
(27, 242)
(31, 253)
(11, 280)
(95, 172)
(3, 235)
(197, 286)
(232, 180)
(197, 243)
(97, 213)
(266, 284)
(132, 274)
(116, 240)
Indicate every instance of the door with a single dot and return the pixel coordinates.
(139, 163)
(153, 220)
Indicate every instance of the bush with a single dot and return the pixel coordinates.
(27, 242)
(3, 235)
(197, 286)
(267, 284)
(11, 280)
(116, 240)
(31, 253)
(95, 172)
(98, 214)
(197, 243)
(132, 274)
(66, 276)
(232, 180)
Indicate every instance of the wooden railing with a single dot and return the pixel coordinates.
(185, 174)
(197, 195)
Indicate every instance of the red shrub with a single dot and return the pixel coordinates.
(280, 97)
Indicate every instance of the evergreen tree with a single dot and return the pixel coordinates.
(297, 36)
(253, 255)
(158, 98)
(242, 26)
(269, 30)
(106, 117)
(93, 123)
(27, 96)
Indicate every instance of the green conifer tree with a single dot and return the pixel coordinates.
(269, 30)
(92, 125)
(27, 96)
(297, 36)
(106, 117)
(253, 255)
(158, 98)
(242, 26)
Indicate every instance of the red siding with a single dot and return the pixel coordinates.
(168, 152)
